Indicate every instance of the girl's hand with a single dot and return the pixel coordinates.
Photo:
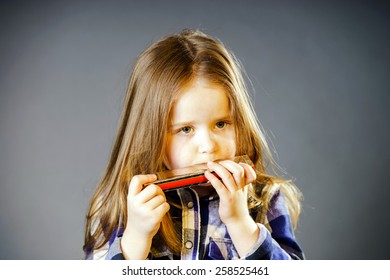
(232, 190)
(233, 207)
(145, 210)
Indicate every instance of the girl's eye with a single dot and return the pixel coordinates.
(186, 129)
(220, 124)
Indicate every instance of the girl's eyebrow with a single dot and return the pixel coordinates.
(181, 123)
(186, 123)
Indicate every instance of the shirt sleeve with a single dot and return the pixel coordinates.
(99, 254)
(114, 251)
(110, 251)
(280, 242)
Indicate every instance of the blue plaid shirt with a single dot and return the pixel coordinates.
(205, 237)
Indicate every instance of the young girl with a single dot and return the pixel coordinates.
(186, 104)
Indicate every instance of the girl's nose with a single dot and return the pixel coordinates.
(207, 143)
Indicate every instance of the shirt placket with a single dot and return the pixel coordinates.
(190, 224)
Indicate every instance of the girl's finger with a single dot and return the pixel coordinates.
(162, 209)
(229, 173)
(148, 193)
(217, 184)
(250, 174)
(137, 182)
(155, 201)
(224, 174)
(236, 170)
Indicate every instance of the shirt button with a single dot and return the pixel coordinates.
(190, 204)
(188, 244)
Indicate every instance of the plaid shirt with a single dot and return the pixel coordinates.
(204, 236)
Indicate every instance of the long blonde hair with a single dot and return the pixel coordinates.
(157, 79)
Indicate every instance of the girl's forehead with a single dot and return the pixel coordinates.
(201, 101)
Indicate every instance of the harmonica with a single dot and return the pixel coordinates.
(189, 176)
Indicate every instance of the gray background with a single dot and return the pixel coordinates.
(320, 72)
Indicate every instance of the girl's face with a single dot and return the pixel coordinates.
(201, 128)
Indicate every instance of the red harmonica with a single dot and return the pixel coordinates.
(189, 176)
